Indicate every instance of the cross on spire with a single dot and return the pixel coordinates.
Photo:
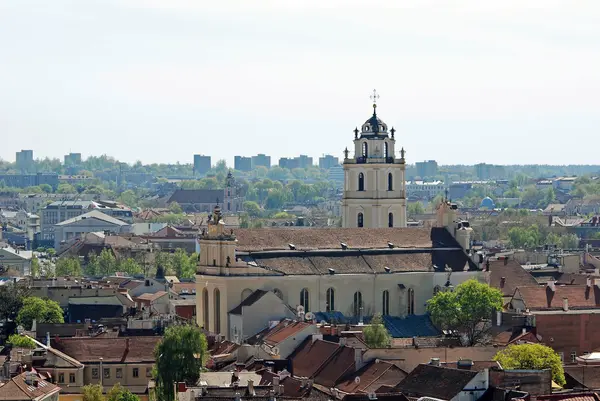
(374, 96)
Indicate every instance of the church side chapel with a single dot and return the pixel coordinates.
(373, 264)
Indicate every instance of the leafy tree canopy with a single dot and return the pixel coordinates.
(376, 335)
(20, 341)
(467, 309)
(42, 310)
(532, 356)
(180, 357)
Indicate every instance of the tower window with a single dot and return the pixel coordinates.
(304, 299)
(330, 300)
(361, 182)
(390, 219)
(358, 304)
(365, 149)
(217, 306)
(390, 182)
(205, 308)
(360, 221)
(385, 309)
(385, 150)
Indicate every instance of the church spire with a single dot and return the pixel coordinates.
(374, 97)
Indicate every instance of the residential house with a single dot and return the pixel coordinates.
(93, 221)
(28, 386)
(124, 360)
(430, 380)
(564, 316)
(95, 308)
(157, 302)
(15, 259)
(184, 308)
(254, 313)
(371, 377)
(282, 339)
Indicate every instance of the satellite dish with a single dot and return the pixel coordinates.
(357, 380)
(300, 309)
(309, 316)
(323, 322)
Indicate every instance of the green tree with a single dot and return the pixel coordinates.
(252, 208)
(569, 241)
(42, 310)
(129, 266)
(92, 267)
(175, 208)
(107, 264)
(11, 300)
(35, 267)
(46, 188)
(376, 335)
(415, 208)
(20, 341)
(183, 266)
(118, 393)
(180, 357)
(468, 309)
(92, 392)
(532, 356)
(68, 267)
(66, 189)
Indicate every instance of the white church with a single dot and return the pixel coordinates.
(373, 264)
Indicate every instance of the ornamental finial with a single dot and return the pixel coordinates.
(374, 97)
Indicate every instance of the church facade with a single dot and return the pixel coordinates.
(374, 179)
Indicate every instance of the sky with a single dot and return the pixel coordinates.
(463, 82)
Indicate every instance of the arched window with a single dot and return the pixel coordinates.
(304, 300)
(385, 148)
(359, 220)
(278, 292)
(390, 219)
(246, 293)
(217, 304)
(390, 182)
(361, 182)
(365, 149)
(330, 300)
(205, 308)
(385, 309)
(358, 304)
(411, 302)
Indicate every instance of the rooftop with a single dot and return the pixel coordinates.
(435, 381)
(121, 349)
(507, 275)
(94, 214)
(543, 298)
(27, 386)
(371, 377)
(311, 355)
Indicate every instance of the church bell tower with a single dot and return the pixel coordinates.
(374, 179)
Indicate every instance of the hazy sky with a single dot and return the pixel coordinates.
(159, 80)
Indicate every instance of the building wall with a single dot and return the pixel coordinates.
(569, 333)
(144, 374)
(78, 228)
(345, 286)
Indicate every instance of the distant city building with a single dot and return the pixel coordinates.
(57, 212)
(201, 164)
(261, 160)
(203, 200)
(489, 171)
(242, 163)
(34, 203)
(336, 173)
(29, 180)
(302, 161)
(91, 222)
(328, 161)
(428, 168)
(72, 159)
(24, 160)
(424, 190)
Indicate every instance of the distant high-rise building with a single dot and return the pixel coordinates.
(261, 160)
(72, 159)
(485, 171)
(328, 161)
(242, 163)
(24, 160)
(301, 161)
(201, 164)
(427, 168)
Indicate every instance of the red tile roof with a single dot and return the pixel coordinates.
(277, 336)
(508, 277)
(183, 287)
(338, 366)
(151, 297)
(292, 387)
(372, 377)
(18, 389)
(310, 357)
(330, 238)
(542, 297)
(122, 349)
(435, 381)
